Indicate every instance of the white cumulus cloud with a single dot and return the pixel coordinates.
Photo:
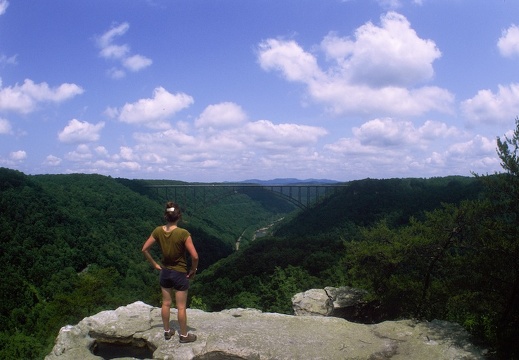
(82, 153)
(389, 55)
(108, 37)
(478, 145)
(136, 62)
(114, 51)
(380, 71)
(120, 52)
(508, 43)
(80, 131)
(289, 58)
(127, 153)
(221, 115)
(152, 112)
(18, 155)
(264, 133)
(52, 160)
(25, 98)
(385, 133)
(493, 108)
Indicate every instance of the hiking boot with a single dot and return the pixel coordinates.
(168, 334)
(187, 339)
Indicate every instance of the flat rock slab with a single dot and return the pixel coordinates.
(252, 334)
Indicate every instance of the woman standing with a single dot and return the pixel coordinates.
(174, 243)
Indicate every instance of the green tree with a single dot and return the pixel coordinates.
(20, 346)
(246, 299)
(277, 292)
(501, 244)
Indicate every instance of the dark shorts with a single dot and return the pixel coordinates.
(174, 279)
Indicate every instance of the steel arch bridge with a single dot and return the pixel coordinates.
(301, 196)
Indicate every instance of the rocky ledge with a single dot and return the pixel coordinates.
(252, 334)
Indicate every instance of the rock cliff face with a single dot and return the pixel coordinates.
(252, 334)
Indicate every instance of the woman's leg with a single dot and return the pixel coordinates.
(181, 301)
(166, 307)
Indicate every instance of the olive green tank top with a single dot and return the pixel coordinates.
(173, 247)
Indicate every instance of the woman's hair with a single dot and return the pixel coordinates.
(172, 212)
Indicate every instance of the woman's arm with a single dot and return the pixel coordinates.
(190, 247)
(146, 251)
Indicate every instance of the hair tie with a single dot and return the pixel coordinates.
(171, 209)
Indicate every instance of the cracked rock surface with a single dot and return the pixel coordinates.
(252, 334)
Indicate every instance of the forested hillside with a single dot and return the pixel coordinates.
(442, 248)
(395, 201)
(70, 247)
(305, 251)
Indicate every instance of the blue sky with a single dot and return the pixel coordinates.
(229, 90)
